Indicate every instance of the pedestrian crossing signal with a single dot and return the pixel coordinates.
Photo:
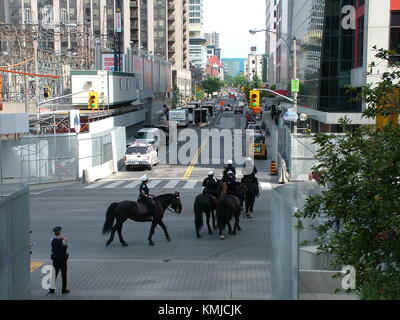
(93, 102)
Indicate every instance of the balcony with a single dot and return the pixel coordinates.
(171, 17)
(133, 3)
(171, 39)
(171, 7)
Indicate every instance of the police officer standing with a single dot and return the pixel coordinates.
(59, 255)
(210, 184)
(249, 173)
(144, 195)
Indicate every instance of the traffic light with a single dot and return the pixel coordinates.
(93, 102)
(46, 92)
(255, 99)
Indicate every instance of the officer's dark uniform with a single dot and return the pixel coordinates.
(210, 185)
(59, 256)
(147, 201)
(228, 168)
(232, 188)
(251, 177)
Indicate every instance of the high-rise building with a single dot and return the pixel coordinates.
(159, 27)
(334, 52)
(212, 39)
(270, 42)
(254, 66)
(234, 66)
(197, 42)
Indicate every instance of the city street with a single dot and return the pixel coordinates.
(186, 268)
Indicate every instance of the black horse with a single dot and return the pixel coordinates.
(228, 207)
(205, 203)
(250, 188)
(138, 212)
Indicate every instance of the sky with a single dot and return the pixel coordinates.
(233, 19)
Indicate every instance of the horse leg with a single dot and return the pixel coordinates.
(230, 228)
(213, 220)
(119, 230)
(162, 225)
(208, 222)
(221, 236)
(113, 229)
(153, 227)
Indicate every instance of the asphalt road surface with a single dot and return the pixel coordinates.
(186, 268)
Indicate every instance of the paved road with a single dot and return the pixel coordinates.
(186, 268)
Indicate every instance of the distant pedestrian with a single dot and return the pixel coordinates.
(59, 255)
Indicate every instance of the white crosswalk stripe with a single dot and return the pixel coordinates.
(153, 183)
(159, 184)
(190, 185)
(113, 185)
(132, 185)
(95, 185)
(266, 186)
(172, 184)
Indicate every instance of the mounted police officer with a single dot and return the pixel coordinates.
(249, 173)
(210, 184)
(59, 255)
(145, 197)
(229, 167)
(231, 186)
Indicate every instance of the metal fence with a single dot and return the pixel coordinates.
(53, 158)
(14, 242)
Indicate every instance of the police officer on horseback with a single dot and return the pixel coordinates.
(231, 186)
(210, 184)
(249, 173)
(145, 197)
(229, 167)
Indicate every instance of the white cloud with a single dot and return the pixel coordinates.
(233, 19)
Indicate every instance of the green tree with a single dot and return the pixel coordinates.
(176, 98)
(361, 171)
(211, 85)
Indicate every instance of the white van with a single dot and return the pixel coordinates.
(181, 116)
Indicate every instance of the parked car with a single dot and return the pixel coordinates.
(141, 155)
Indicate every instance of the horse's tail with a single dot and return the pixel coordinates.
(198, 214)
(222, 215)
(109, 218)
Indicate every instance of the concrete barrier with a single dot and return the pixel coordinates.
(99, 172)
(14, 243)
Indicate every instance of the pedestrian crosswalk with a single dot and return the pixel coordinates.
(158, 184)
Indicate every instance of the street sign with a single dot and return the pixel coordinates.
(291, 116)
(295, 85)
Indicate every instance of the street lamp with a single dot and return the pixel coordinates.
(294, 57)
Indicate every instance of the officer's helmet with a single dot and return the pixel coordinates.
(145, 178)
(230, 173)
(229, 162)
(210, 173)
(249, 159)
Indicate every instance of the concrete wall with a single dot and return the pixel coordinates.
(14, 242)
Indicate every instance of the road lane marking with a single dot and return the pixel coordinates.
(132, 185)
(153, 183)
(190, 184)
(113, 185)
(189, 170)
(35, 265)
(172, 184)
(95, 185)
(266, 186)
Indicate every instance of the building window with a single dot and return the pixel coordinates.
(395, 35)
